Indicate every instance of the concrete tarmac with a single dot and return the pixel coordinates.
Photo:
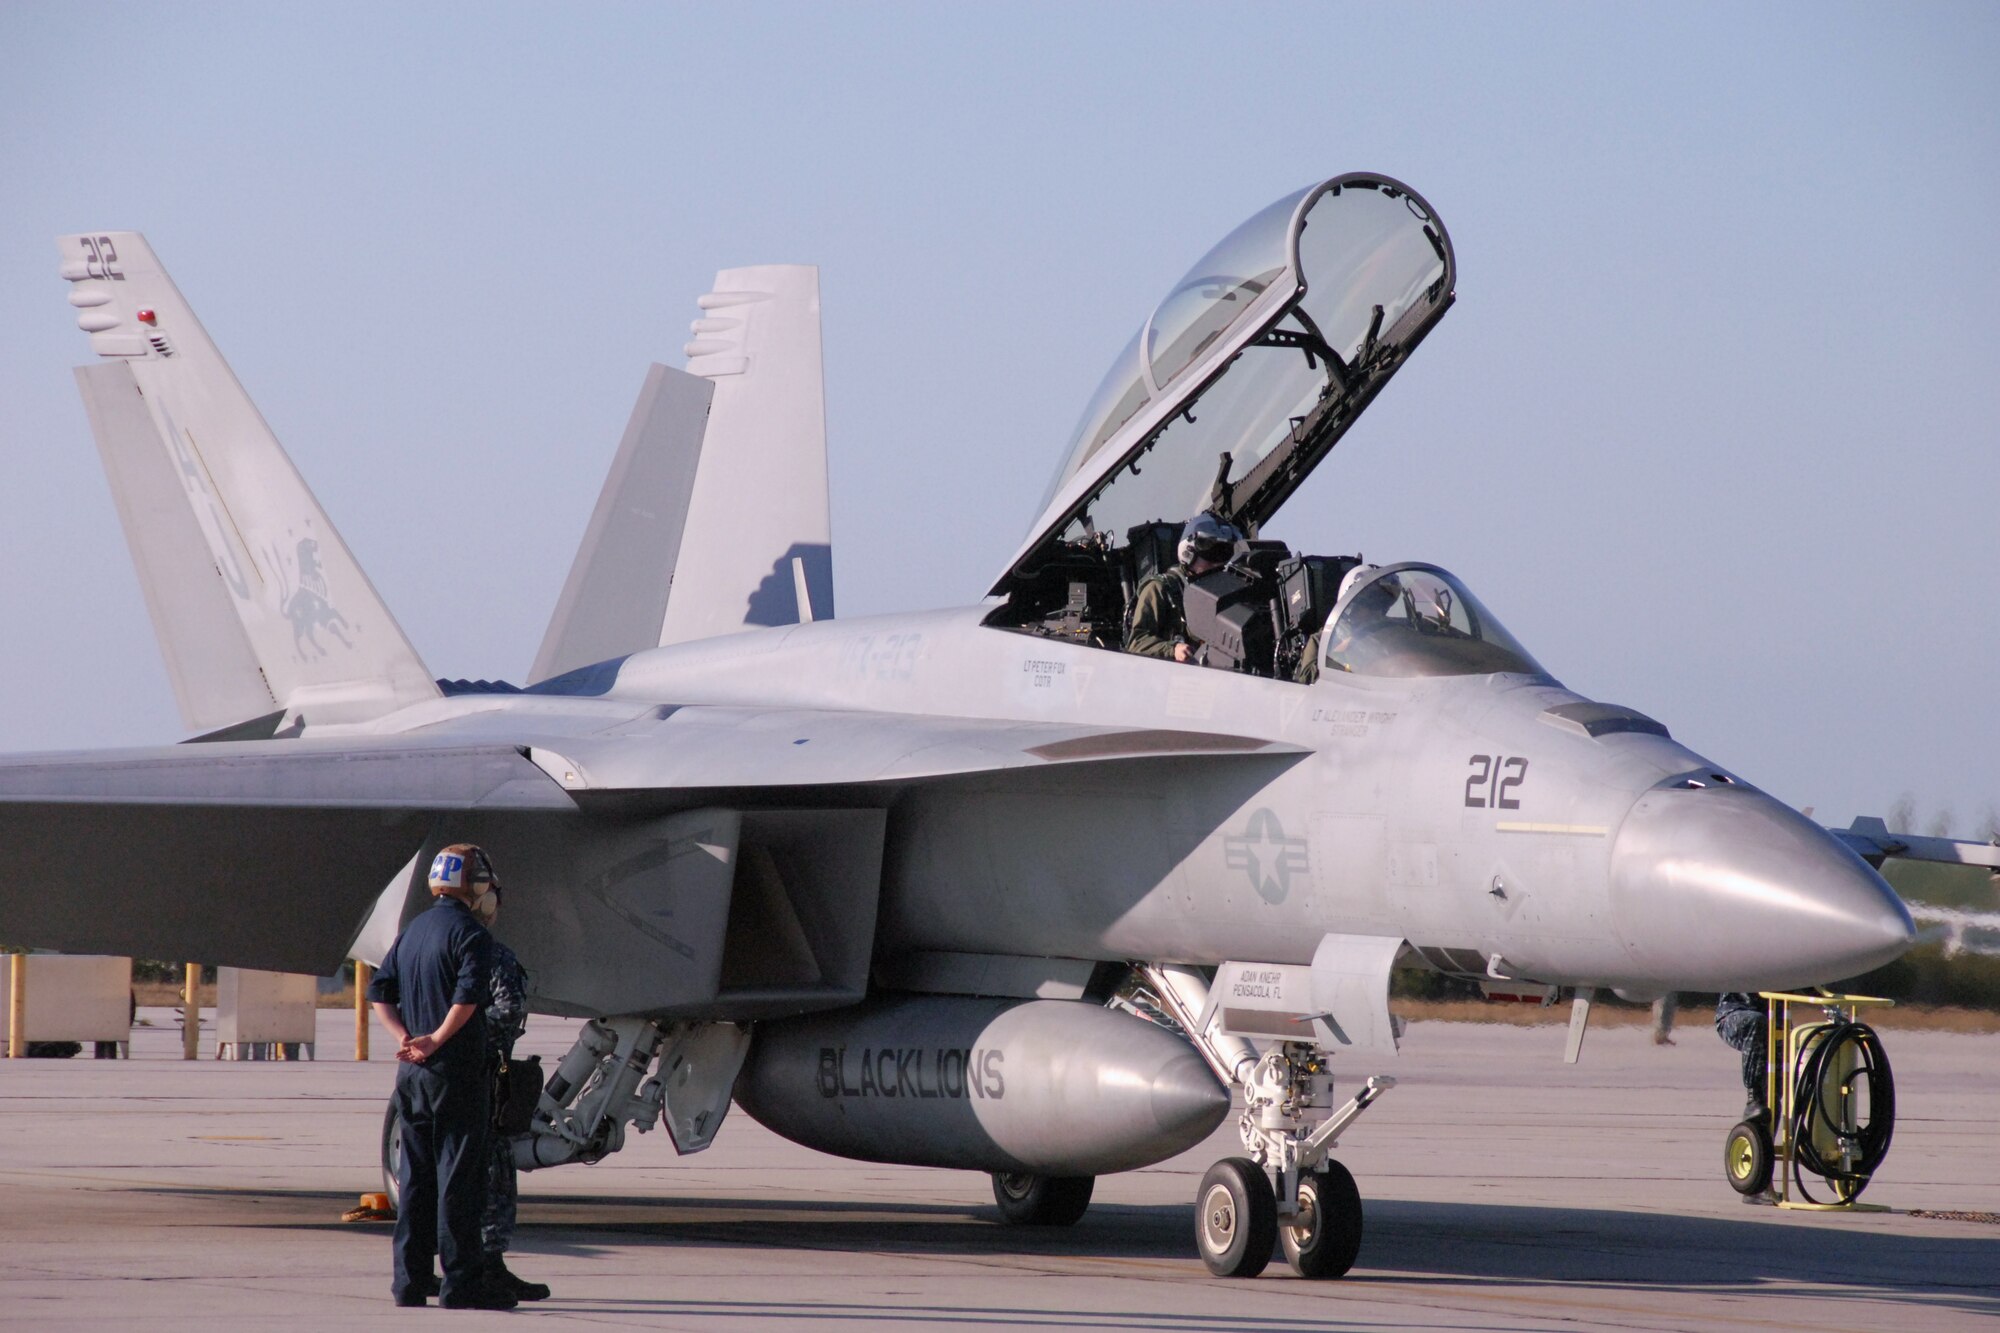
(1503, 1191)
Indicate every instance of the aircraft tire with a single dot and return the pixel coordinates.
(1041, 1201)
(1326, 1246)
(1235, 1218)
(392, 1153)
(1746, 1158)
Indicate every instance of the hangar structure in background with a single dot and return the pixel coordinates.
(968, 888)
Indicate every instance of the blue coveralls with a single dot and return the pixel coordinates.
(506, 1021)
(443, 958)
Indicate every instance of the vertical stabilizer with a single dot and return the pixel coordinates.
(759, 506)
(242, 570)
(616, 598)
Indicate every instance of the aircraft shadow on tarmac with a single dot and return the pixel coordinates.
(1474, 1244)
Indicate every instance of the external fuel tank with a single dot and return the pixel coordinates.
(1051, 1087)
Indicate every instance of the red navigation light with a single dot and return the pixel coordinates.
(148, 317)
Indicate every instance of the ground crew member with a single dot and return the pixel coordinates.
(429, 993)
(1159, 614)
(506, 1021)
(1664, 1010)
(1740, 1020)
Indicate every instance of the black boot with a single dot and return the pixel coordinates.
(492, 1293)
(523, 1289)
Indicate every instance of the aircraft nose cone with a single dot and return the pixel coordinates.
(1727, 889)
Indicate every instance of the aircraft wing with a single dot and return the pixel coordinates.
(736, 827)
(265, 854)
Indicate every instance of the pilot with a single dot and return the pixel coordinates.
(1307, 670)
(429, 993)
(1159, 615)
(506, 1022)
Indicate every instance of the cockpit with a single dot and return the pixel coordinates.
(1417, 620)
(1245, 376)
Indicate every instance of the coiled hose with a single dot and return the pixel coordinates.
(1867, 1144)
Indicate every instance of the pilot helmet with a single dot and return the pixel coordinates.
(460, 865)
(1209, 538)
(1355, 577)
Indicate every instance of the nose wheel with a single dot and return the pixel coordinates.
(1235, 1218)
(1323, 1237)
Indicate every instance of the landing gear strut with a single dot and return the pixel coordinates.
(1287, 1189)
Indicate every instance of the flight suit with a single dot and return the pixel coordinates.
(1159, 614)
(506, 1021)
(442, 958)
(1307, 671)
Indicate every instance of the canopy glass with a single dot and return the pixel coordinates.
(1253, 365)
(1417, 620)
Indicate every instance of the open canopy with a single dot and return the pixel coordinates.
(1253, 366)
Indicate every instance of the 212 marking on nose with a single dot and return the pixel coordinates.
(1494, 782)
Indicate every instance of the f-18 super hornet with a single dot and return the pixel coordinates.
(970, 888)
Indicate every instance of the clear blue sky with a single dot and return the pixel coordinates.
(1711, 427)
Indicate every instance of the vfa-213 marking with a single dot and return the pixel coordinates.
(1495, 782)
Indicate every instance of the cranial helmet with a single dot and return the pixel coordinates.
(1208, 537)
(1354, 577)
(460, 865)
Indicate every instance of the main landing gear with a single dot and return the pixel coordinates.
(1041, 1201)
(1287, 1192)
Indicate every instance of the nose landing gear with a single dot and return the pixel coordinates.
(1235, 1218)
(1287, 1191)
(1324, 1235)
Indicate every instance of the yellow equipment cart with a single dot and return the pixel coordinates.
(1831, 1104)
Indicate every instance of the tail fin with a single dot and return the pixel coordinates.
(714, 516)
(616, 598)
(758, 546)
(257, 602)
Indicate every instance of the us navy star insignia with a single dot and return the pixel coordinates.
(1267, 856)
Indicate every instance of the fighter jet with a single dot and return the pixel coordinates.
(972, 888)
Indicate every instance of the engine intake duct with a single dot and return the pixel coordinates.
(718, 914)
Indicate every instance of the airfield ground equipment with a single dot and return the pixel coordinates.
(1831, 1100)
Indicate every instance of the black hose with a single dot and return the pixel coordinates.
(1867, 1144)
